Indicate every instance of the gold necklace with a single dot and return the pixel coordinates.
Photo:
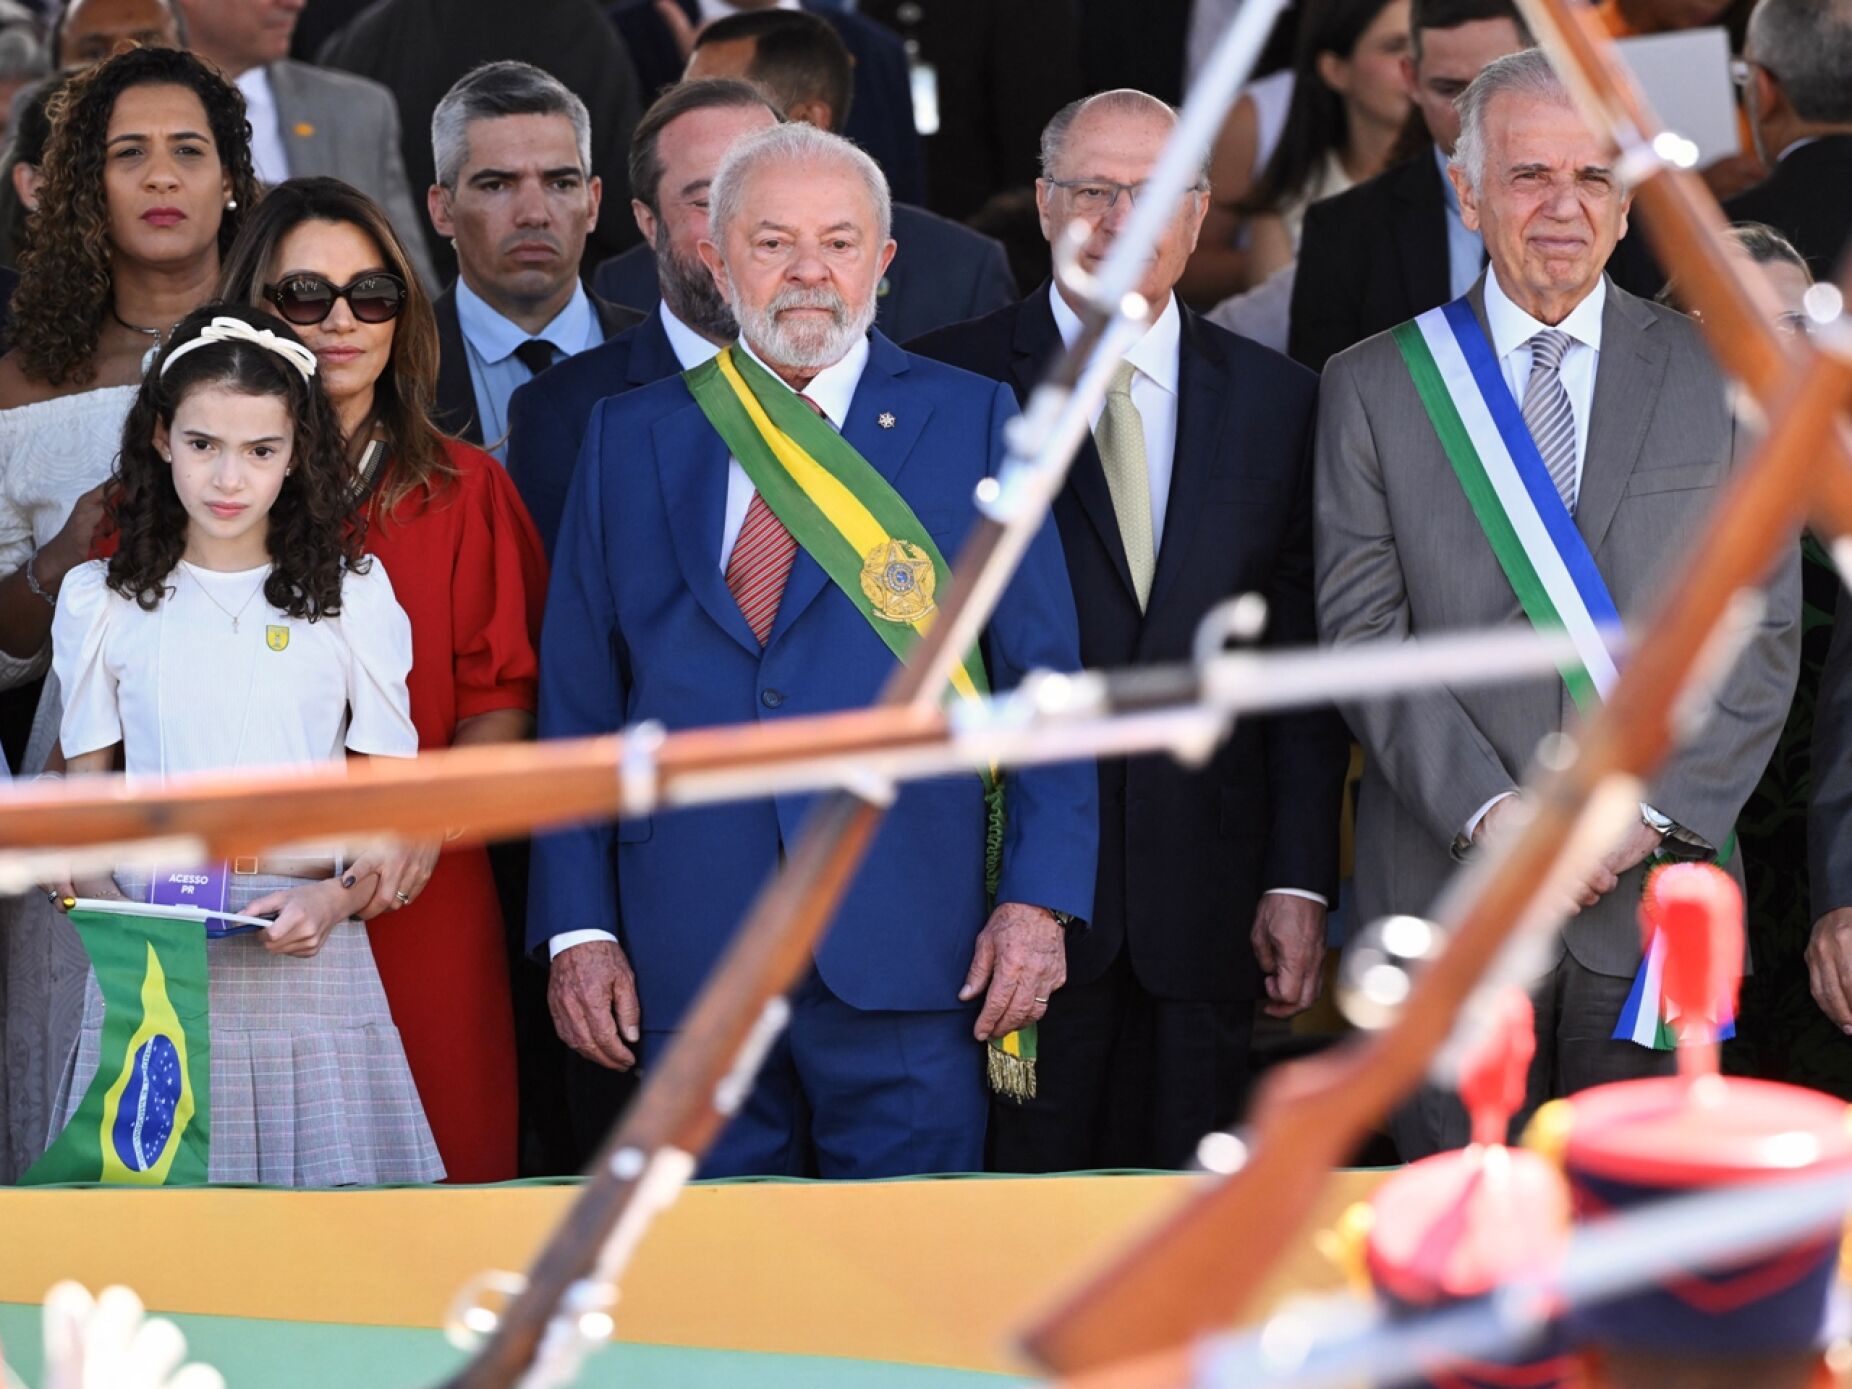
(234, 616)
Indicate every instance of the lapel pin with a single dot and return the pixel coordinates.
(304, 130)
(886, 419)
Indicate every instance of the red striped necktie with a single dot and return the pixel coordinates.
(761, 561)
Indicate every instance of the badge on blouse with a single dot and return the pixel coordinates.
(276, 638)
(898, 580)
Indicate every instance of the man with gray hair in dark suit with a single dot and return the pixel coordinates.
(1544, 448)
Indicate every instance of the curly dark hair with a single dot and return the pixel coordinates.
(404, 395)
(313, 538)
(65, 280)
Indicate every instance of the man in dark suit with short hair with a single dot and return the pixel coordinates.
(1799, 54)
(678, 147)
(1394, 246)
(1213, 883)
(881, 120)
(944, 272)
(516, 196)
(419, 48)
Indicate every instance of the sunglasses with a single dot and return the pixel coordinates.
(375, 297)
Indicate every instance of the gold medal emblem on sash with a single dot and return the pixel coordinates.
(898, 579)
(276, 638)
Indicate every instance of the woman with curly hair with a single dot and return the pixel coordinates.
(471, 574)
(145, 175)
(238, 625)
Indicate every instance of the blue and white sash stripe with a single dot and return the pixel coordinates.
(1529, 497)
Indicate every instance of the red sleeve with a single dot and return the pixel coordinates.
(498, 591)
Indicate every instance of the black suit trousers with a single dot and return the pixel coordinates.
(1124, 1079)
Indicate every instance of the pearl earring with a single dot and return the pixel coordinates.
(231, 204)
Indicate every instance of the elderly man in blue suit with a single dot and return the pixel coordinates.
(688, 588)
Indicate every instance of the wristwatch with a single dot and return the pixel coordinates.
(1675, 840)
(1065, 920)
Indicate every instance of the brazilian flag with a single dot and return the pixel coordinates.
(145, 1118)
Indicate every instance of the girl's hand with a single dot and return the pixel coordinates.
(304, 916)
(400, 870)
(59, 892)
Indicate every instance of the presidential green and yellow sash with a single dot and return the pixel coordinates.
(145, 1118)
(866, 539)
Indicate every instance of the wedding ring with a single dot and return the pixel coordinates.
(404, 901)
(51, 896)
(1041, 1000)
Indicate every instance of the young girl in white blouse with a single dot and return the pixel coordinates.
(236, 625)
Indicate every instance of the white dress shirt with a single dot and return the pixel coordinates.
(1512, 330)
(260, 106)
(1157, 357)
(1158, 361)
(832, 389)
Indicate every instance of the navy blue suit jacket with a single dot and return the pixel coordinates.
(640, 625)
(1185, 853)
(943, 273)
(547, 416)
(881, 103)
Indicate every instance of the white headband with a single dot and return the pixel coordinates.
(226, 329)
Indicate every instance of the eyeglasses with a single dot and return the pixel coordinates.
(375, 297)
(1743, 69)
(1095, 197)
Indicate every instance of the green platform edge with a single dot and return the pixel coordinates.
(254, 1353)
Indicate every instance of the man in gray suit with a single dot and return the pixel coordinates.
(309, 120)
(1618, 400)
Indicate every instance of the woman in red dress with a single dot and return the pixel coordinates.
(468, 568)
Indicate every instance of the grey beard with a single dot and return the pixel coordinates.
(807, 348)
(691, 294)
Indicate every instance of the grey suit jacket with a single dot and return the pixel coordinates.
(1399, 553)
(347, 127)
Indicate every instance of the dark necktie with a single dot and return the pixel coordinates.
(536, 354)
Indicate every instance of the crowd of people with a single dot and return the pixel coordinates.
(669, 404)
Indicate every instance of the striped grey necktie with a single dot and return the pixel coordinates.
(1548, 414)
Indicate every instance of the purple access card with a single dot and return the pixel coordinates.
(202, 887)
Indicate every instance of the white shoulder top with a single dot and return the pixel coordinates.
(215, 677)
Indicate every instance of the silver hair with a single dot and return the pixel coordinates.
(1120, 101)
(1806, 45)
(794, 143)
(501, 89)
(1525, 73)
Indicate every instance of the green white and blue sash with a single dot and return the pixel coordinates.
(1482, 431)
(1535, 541)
